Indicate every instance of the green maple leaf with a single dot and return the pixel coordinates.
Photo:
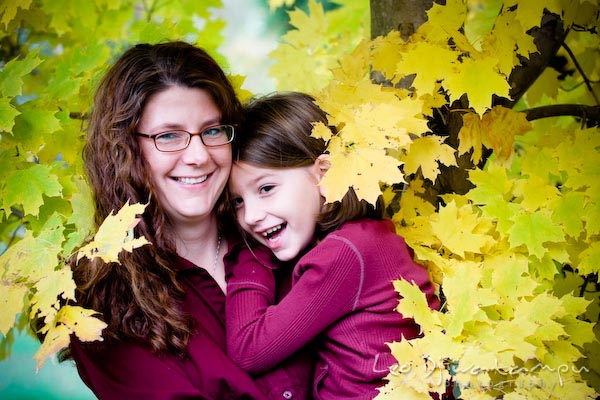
(7, 115)
(535, 192)
(563, 213)
(83, 206)
(464, 300)
(12, 300)
(590, 260)
(8, 9)
(11, 76)
(547, 84)
(491, 184)
(591, 216)
(533, 230)
(33, 256)
(510, 275)
(26, 187)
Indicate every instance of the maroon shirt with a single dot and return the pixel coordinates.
(129, 370)
(342, 302)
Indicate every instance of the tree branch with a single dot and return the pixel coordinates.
(589, 114)
(581, 72)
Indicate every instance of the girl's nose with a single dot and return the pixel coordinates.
(253, 214)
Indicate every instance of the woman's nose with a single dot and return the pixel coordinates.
(196, 152)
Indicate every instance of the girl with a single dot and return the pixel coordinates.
(344, 258)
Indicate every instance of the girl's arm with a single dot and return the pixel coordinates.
(261, 334)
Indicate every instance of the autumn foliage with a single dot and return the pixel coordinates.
(501, 206)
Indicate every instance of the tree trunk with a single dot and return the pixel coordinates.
(404, 16)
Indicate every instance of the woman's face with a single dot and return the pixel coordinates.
(188, 182)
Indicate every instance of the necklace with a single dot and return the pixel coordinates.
(217, 255)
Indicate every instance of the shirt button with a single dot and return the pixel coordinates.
(287, 395)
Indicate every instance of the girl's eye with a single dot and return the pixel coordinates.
(237, 202)
(266, 189)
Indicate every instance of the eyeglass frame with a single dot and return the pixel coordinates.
(190, 135)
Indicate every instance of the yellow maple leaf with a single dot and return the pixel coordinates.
(501, 125)
(530, 13)
(69, 319)
(510, 275)
(275, 4)
(446, 20)
(362, 168)
(464, 236)
(354, 66)
(425, 153)
(507, 41)
(412, 204)
(429, 61)
(496, 130)
(413, 304)
(479, 79)
(237, 81)
(469, 137)
(385, 54)
(46, 302)
(115, 234)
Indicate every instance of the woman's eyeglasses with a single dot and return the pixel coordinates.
(175, 140)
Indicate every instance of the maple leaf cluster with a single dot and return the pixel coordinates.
(513, 255)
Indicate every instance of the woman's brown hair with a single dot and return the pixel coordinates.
(276, 133)
(139, 299)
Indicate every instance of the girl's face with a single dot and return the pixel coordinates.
(188, 182)
(277, 206)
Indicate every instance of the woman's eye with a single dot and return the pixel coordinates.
(213, 131)
(167, 136)
(266, 189)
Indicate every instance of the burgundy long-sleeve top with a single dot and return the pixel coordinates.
(342, 303)
(127, 370)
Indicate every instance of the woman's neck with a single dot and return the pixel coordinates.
(193, 239)
(202, 244)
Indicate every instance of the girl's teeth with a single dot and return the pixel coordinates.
(191, 181)
(269, 232)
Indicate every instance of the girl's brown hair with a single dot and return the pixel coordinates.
(276, 133)
(140, 298)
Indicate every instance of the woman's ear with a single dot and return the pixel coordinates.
(321, 166)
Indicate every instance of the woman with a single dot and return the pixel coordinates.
(160, 133)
